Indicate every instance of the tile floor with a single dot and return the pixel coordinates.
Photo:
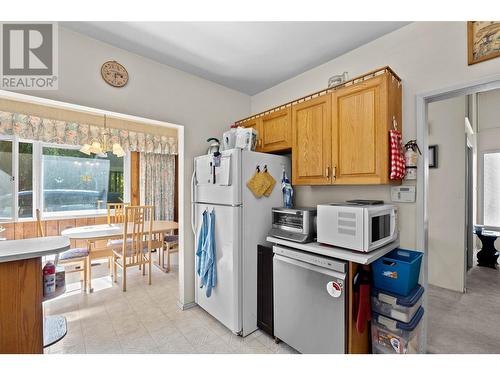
(145, 319)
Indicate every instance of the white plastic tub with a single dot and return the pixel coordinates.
(390, 336)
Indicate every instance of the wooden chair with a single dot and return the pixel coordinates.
(136, 243)
(116, 215)
(78, 255)
(170, 246)
(116, 212)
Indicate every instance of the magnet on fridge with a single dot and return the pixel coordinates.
(334, 289)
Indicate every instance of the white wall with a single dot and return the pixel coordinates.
(447, 194)
(488, 119)
(154, 91)
(426, 55)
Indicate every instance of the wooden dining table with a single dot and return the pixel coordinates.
(103, 232)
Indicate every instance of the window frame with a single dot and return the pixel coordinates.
(37, 181)
(15, 163)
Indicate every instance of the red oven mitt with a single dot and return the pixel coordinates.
(363, 303)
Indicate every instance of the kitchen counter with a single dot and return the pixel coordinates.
(21, 291)
(337, 252)
(32, 248)
(356, 342)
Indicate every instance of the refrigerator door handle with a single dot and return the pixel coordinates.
(193, 211)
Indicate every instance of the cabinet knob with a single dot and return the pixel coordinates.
(327, 172)
(334, 174)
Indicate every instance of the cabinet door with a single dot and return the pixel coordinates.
(256, 124)
(311, 153)
(276, 131)
(360, 133)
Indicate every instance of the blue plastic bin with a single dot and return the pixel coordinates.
(397, 271)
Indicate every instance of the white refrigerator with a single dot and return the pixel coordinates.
(242, 221)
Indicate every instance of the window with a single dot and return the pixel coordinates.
(73, 181)
(6, 180)
(25, 189)
(491, 189)
(60, 180)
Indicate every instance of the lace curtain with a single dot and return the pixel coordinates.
(72, 133)
(157, 183)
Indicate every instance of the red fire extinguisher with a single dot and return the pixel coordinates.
(49, 279)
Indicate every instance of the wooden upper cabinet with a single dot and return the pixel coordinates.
(338, 136)
(276, 131)
(361, 121)
(311, 138)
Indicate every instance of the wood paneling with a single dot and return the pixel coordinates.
(21, 319)
(27, 229)
(134, 179)
(312, 146)
(276, 131)
(356, 343)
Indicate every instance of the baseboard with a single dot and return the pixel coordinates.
(186, 306)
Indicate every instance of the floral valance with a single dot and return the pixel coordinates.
(72, 133)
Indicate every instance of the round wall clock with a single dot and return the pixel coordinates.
(114, 73)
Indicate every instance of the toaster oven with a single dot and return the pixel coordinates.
(294, 224)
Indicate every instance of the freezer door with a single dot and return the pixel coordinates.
(224, 303)
(219, 185)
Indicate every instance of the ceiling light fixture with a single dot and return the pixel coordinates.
(101, 145)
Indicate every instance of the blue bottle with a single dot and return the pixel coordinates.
(287, 190)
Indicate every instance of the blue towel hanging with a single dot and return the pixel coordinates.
(206, 253)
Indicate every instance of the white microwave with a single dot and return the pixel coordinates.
(357, 226)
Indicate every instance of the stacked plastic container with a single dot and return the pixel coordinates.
(397, 298)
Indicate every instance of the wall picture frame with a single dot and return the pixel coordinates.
(433, 156)
(483, 41)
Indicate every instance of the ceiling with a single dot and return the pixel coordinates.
(246, 56)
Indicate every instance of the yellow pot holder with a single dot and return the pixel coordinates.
(272, 182)
(258, 184)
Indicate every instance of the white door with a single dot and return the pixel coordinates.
(224, 303)
(218, 185)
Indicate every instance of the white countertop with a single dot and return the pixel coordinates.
(337, 252)
(32, 248)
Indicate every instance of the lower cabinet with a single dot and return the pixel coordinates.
(265, 302)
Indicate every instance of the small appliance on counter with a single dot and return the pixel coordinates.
(246, 138)
(294, 224)
(229, 138)
(214, 146)
(360, 225)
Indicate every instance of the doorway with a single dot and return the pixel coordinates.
(51, 109)
(466, 342)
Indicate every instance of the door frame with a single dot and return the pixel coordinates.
(4, 94)
(422, 128)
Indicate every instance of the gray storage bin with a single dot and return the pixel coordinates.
(392, 305)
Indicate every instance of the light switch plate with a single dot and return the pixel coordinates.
(403, 194)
